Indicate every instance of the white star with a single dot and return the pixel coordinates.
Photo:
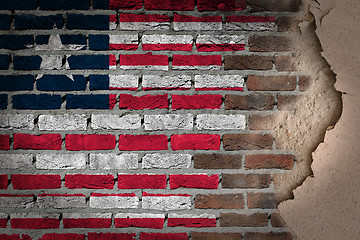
(50, 62)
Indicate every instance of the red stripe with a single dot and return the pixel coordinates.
(219, 47)
(169, 47)
(61, 195)
(195, 142)
(145, 194)
(121, 4)
(250, 19)
(112, 18)
(64, 236)
(22, 181)
(41, 142)
(3, 181)
(227, 5)
(128, 101)
(112, 101)
(4, 142)
(89, 181)
(165, 88)
(78, 142)
(112, 60)
(14, 237)
(192, 222)
(194, 181)
(35, 223)
(196, 101)
(87, 223)
(129, 17)
(141, 181)
(163, 236)
(3, 224)
(184, 18)
(143, 142)
(144, 60)
(111, 236)
(129, 47)
(13, 195)
(196, 60)
(117, 195)
(218, 88)
(157, 223)
(183, 5)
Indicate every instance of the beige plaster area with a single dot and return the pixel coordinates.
(327, 204)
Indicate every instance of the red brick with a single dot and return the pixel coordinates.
(287, 102)
(78, 142)
(274, 5)
(227, 5)
(246, 180)
(145, 221)
(248, 62)
(143, 142)
(195, 142)
(259, 43)
(41, 142)
(262, 200)
(268, 236)
(144, 60)
(202, 181)
(219, 201)
(163, 236)
(128, 101)
(89, 181)
(131, 17)
(271, 83)
(304, 83)
(27, 181)
(3, 223)
(3, 181)
(111, 236)
(243, 220)
(4, 142)
(15, 237)
(269, 161)
(196, 60)
(192, 222)
(285, 63)
(184, 5)
(196, 101)
(35, 223)
(141, 181)
(64, 236)
(234, 142)
(188, 18)
(215, 236)
(249, 102)
(217, 161)
(277, 221)
(97, 222)
(128, 5)
(259, 122)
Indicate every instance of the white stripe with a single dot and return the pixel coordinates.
(35, 215)
(204, 215)
(197, 26)
(86, 215)
(139, 215)
(3, 215)
(124, 81)
(61, 161)
(112, 25)
(124, 39)
(16, 202)
(250, 26)
(166, 203)
(61, 202)
(112, 67)
(13, 161)
(145, 25)
(168, 122)
(219, 81)
(157, 81)
(220, 39)
(109, 202)
(145, 67)
(17, 121)
(167, 39)
(210, 67)
(219, 122)
(113, 161)
(166, 161)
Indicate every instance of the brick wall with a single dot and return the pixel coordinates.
(144, 119)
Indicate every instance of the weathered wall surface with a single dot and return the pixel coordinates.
(326, 205)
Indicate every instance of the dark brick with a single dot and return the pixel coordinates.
(89, 62)
(217, 161)
(16, 83)
(117, 4)
(249, 102)
(174, 5)
(27, 62)
(4, 62)
(287, 24)
(247, 141)
(271, 83)
(36, 102)
(87, 101)
(268, 236)
(274, 5)
(3, 101)
(248, 62)
(215, 236)
(61, 83)
(276, 220)
(285, 63)
(64, 4)
(87, 22)
(269, 43)
(269, 161)
(99, 42)
(246, 180)
(23, 22)
(262, 200)
(65, 39)
(258, 122)
(18, 4)
(5, 21)
(243, 220)
(304, 83)
(226, 5)
(218, 201)
(15, 42)
(287, 102)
